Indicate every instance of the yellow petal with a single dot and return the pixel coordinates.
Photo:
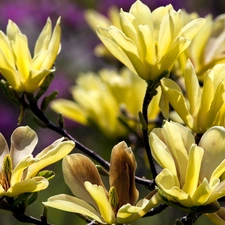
(127, 27)
(166, 181)
(53, 48)
(146, 36)
(217, 193)
(70, 110)
(44, 38)
(159, 148)
(75, 205)
(193, 169)
(50, 155)
(17, 173)
(166, 33)
(10, 73)
(217, 106)
(31, 185)
(157, 16)
(22, 56)
(218, 171)
(178, 140)
(99, 195)
(199, 42)
(37, 62)
(192, 88)
(177, 100)
(77, 169)
(141, 12)
(2, 191)
(123, 41)
(213, 142)
(191, 29)
(208, 95)
(12, 30)
(113, 47)
(23, 142)
(35, 79)
(128, 213)
(93, 18)
(169, 185)
(6, 48)
(168, 59)
(202, 193)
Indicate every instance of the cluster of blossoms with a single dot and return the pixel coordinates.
(102, 98)
(172, 89)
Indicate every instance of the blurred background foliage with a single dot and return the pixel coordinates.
(78, 42)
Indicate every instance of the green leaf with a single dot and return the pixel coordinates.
(48, 99)
(44, 86)
(22, 112)
(48, 174)
(9, 92)
(39, 122)
(102, 171)
(25, 199)
(143, 122)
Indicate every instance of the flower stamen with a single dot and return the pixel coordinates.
(5, 175)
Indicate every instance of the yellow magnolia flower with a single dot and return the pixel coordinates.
(22, 71)
(18, 167)
(208, 47)
(148, 43)
(92, 199)
(100, 99)
(204, 106)
(191, 173)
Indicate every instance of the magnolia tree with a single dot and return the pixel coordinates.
(168, 91)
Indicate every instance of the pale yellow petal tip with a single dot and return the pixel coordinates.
(59, 20)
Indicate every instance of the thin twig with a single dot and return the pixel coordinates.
(29, 219)
(40, 114)
(37, 112)
(156, 210)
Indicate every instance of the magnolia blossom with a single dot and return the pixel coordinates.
(100, 99)
(19, 169)
(118, 205)
(208, 47)
(148, 43)
(25, 73)
(191, 173)
(204, 106)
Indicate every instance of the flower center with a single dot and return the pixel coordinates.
(113, 199)
(5, 175)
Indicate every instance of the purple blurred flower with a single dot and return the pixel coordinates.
(8, 120)
(62, 84)
(37, 12)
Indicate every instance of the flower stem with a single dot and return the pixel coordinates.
(190, 218)
(149, 94)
